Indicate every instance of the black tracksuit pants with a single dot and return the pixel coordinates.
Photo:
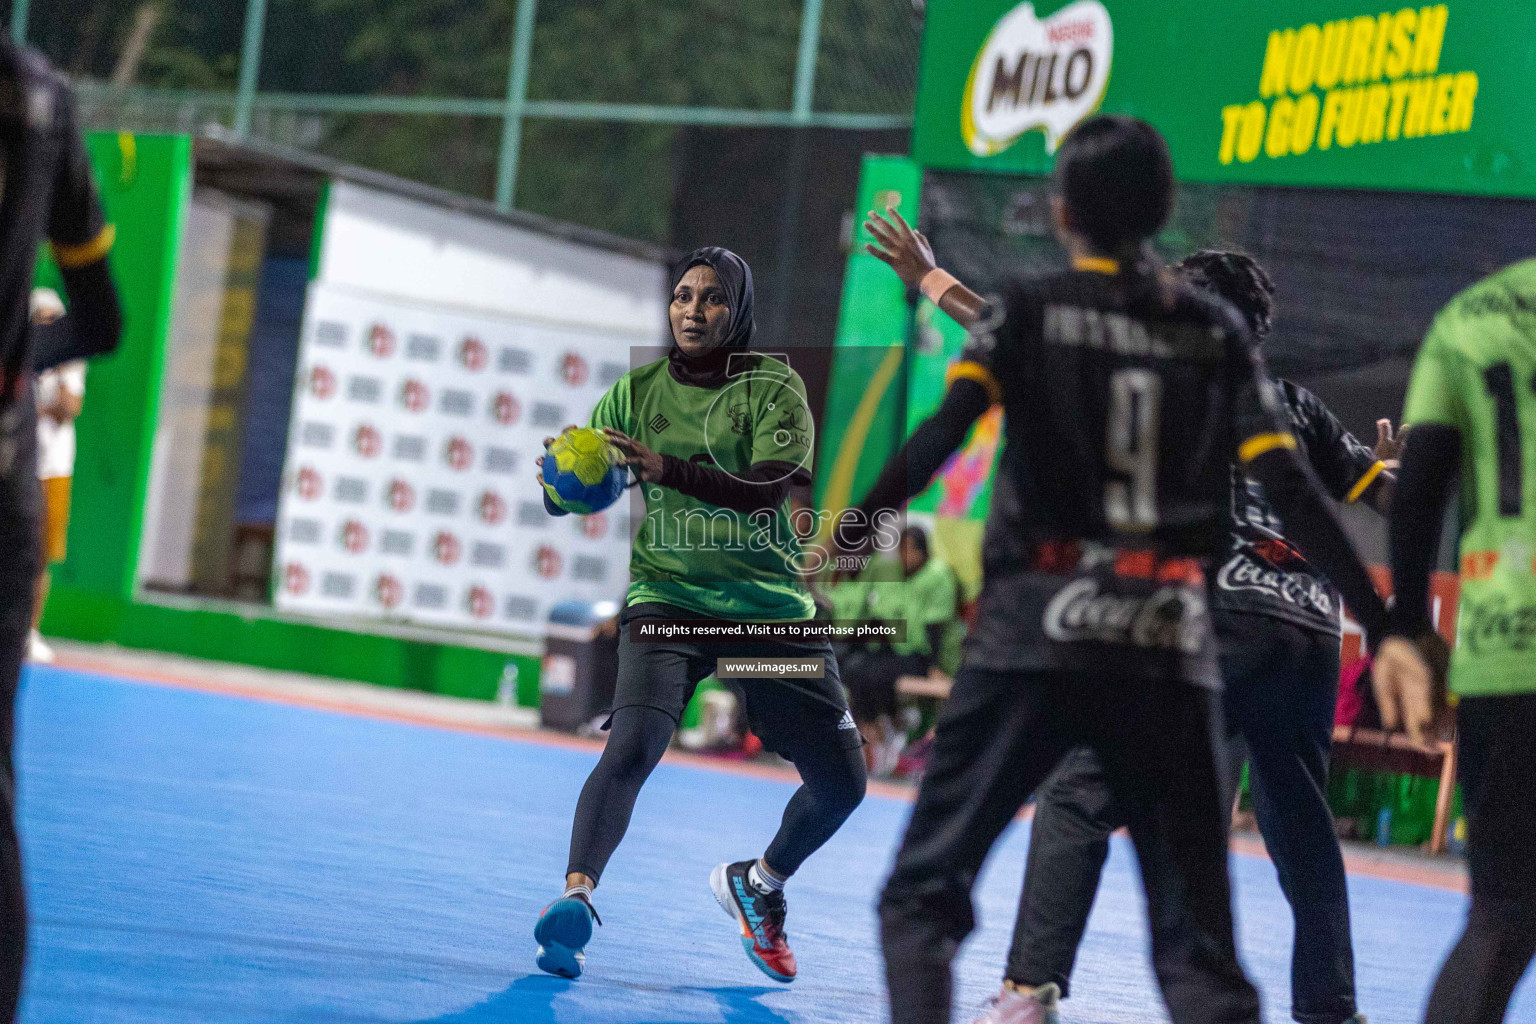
(999, 736)
(19, 557)
(1281, 687)
(1498, 779)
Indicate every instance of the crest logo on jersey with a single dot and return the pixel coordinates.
(414, 395)
(322, 382)
(506, 409)
(388, 591)
(659, 423)
(381, 341)
(574, 369)
(1169, 618)
(473, 355)
(1045, 74)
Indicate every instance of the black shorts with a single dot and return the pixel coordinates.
(786, 714)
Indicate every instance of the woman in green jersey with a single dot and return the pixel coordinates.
(717, 434)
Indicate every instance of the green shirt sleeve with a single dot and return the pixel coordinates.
(782, 427)
(1435, 389)
(612, 410)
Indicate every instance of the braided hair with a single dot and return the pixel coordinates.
(1238, 278)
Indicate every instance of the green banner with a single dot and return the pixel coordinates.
(1328, 93)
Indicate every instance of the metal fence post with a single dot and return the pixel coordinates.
(517, 96)
(805, 65)
(250, 63)
(19, 11)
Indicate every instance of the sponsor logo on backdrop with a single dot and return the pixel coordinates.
(296, 579)
(1170, 618)
(514, 360)
(367, 441)
(322, 382)
(574, 370)
(364, 389)
(410, 447)
(414, 395)
(388, 591)
(380, 341)
(547, 562)
(458, 454)
(351, 489)
(1037, 74)
(506, 408)
(479, 602)
(443, 502)
(331, 334)
(1359, 81)
(457, 402)
(308, 483)
(594, 526)
(473, 354)
(354, 537)
(401, 496)
(447, 548)
(492, 508)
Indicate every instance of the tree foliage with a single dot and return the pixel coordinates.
(722, 53)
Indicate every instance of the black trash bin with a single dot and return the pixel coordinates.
(581, 663)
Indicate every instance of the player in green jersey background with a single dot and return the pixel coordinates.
(717, 434)
(1472, 408)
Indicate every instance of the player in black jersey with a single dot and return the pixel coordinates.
(1126, 395)
(1277, 628)
(47, 192)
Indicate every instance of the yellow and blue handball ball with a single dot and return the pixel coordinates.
(581, 472)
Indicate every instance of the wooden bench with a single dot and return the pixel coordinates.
(1375, 750)
(1371, 749)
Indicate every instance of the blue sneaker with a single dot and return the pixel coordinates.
(562, 932)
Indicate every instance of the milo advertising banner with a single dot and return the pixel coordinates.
(1332, 93)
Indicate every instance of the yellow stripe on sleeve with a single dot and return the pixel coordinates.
(1364, 483)
(980, 374)
(1258, 444)
(71, 257)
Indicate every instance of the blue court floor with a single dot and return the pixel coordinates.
(197, 857)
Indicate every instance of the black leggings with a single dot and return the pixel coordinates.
(1498, 776)
(832, 786)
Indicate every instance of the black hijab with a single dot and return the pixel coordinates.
(709, 370)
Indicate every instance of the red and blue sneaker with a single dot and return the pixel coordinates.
(761, 916)
(562, 932)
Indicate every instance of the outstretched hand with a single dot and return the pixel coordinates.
(900, 247)
(1408, 678)
(547, 442)
(1389, 446)
(645, 462)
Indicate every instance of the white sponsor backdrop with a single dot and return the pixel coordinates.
(408, 490)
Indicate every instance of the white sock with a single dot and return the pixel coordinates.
(763, 881)
(584, 891)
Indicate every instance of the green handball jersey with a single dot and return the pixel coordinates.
(1477, 373)
(711, 560)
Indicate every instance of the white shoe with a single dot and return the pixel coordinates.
(1013, 1007)
(38, 649)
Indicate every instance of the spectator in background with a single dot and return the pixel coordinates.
(927, 599)
(59, 392)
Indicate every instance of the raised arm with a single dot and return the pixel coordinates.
(906, 251)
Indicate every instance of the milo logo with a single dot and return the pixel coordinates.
(1032, 73)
